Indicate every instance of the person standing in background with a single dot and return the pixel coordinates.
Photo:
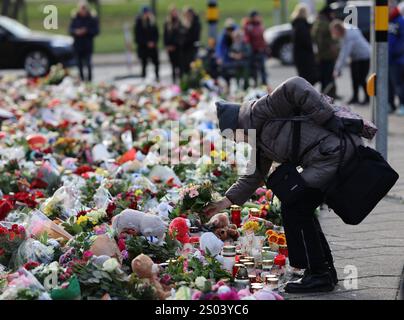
(303, 52)
(254, 35)
(396, 57)
(146, 38)
(327, 51)
(192, 35)
(84, 27)
(172, 42)
(355, 46)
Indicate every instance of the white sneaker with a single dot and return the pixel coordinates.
(400, 111)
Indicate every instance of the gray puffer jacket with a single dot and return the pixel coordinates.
(319, 150)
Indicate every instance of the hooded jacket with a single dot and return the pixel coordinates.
(396, 38)
(319, 150)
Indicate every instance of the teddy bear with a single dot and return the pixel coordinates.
(146, 269)
(220, 225)
(180, 226)
(137, 222)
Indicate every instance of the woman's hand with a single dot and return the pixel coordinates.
(217, 207)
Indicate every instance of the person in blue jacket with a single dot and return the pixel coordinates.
(84, 27)
(225, 42)
(396, 57)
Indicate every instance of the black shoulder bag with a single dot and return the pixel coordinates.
(360, 184)
(286, 182)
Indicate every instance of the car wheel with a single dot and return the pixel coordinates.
(36, 63)
(286, 53)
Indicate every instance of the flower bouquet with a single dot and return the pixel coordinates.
(192, 199)
(10, 240)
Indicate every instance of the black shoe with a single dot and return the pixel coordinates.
(333, 275)
(353, 101)
(311, 283)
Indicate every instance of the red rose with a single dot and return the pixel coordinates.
(217, 173)
(31, 265)
(83, 169)
(38, 184)
(5, 207)
(110, 209)
(121, 244)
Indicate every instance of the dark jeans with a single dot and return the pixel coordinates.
(84, 61)
(153, 55)
(396, 80)
(359, 72)
(308, 248)
(188, 56)
(175, 62)
(258, 64)
(326, 69)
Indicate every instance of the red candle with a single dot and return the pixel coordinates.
(235, 215)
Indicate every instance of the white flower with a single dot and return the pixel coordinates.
(110, 265)
(200, 282)
(96, 215)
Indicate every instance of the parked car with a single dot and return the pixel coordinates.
(279, 38)
(36, 52)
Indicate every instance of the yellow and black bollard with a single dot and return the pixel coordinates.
(378, 82)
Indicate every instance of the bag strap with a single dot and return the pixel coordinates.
(296, 138)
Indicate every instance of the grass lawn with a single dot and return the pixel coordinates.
(114, 14)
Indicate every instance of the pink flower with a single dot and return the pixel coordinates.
(193, 193)
(197, 295)
(230, 295)
(125, 254)
(87, 255)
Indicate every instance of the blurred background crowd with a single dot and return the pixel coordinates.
(233, 47)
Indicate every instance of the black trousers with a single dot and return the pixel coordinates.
(175, 61)
(326, 69)
(84, 61)
(359, 72)
(308, 248)
(153, 55)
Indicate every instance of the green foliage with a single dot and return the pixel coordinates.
(95, 282)
(159, 253)
(88, 191)
(211, 269)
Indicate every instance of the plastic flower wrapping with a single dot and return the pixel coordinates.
(102, 189)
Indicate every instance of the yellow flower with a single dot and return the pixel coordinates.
(214, 154)
(48, 209)
(223, 155)
(101, 172)
(82, 220)
(251, 225)
(138, 192)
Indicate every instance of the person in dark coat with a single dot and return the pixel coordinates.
(146, 39)
(303, 52)
(191, 35)
(173, 42)
(84, 27)
(270, 119)
(327, 51)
